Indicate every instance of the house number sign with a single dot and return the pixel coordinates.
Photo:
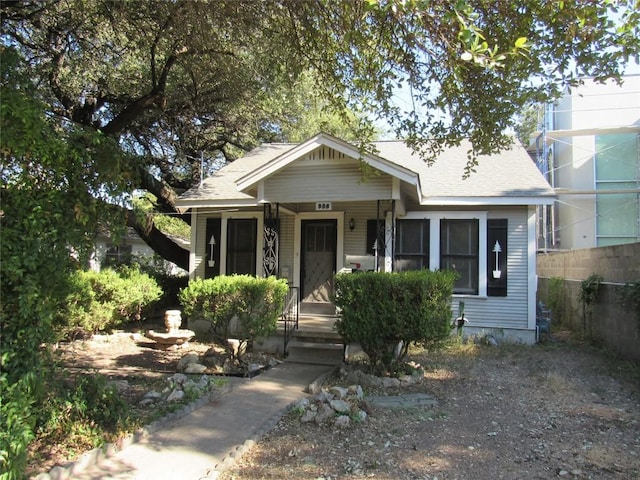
(323, 206)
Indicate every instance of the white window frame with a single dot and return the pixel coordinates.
(434, 242)
(259, 240)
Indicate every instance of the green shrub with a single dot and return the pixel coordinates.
(254, 302)
(589, 289)
(103, 300)
(383, 310)
(137, 291)
(83, 414)
(214, 300)
(17, 424)
(262, 303)
(170, 286)
(170, 283)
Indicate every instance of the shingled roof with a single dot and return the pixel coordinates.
(508, 177)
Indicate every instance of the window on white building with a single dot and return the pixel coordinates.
(617, 167)
(476, 248)
(117, 254)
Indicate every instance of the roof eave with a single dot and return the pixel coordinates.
(183, 206)
(488, 201)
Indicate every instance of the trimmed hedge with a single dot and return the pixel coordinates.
(381, 311)
(99, 301)
(256, 303)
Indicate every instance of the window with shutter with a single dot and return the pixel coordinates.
(459, 252)
(412, 245)
(241, 246)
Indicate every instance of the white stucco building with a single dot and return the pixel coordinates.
(589, 149)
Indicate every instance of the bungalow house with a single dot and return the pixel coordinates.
(305, 212)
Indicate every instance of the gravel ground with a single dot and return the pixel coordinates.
(554, 410)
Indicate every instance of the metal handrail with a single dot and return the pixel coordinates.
(290, 316)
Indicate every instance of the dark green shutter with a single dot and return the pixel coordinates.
(375, 231)
(497, 232)
(213, 228)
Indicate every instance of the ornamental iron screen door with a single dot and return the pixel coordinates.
(271, 241)
(319, 238)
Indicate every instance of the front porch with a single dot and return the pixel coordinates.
(314, 341)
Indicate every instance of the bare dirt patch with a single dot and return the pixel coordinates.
(128, 359)
(557, 410)
(123, 354)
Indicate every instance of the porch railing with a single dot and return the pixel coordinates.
(290, 316)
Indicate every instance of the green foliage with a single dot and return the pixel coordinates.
(529, 121)
(380, 310)
(83, 413)
(475, 64)
(589, 289)
(556, 298)
(172, 225)
(17, 424)
(104, 300)
(169, 284)
(48, 196)
(255, 303)
(214, 300)
(245, 72)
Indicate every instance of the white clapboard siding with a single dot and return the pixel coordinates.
(355, 242)
(302, 182)
(495, 312)
(287, 224)
(201, 245)
(510, 311)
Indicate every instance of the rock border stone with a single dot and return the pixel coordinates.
(95, 456)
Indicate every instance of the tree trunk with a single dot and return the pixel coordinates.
(159, 242)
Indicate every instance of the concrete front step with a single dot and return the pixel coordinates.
(314, 353)
(315, 337)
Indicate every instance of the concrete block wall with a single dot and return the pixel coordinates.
(617, 263)
(613, 321)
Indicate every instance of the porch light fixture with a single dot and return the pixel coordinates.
(352, 224)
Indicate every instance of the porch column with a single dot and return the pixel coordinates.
(393, 235)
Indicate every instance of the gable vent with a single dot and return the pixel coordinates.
(324, 153)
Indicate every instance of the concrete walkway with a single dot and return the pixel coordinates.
(206, 441)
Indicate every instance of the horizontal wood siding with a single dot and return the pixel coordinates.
(355, 242)
(495, 312)
(286, 245)
(510, 311)
(201, 244)
(302, 182)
